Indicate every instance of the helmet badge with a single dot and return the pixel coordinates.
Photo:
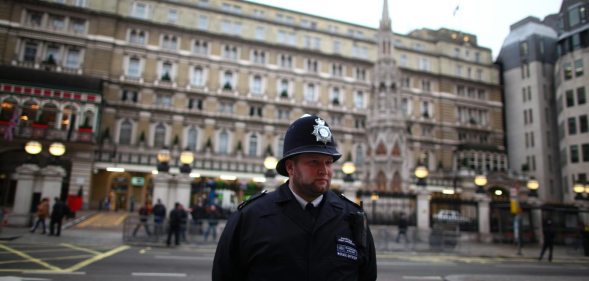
(321, 131)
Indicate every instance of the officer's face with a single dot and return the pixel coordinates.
(310, 174)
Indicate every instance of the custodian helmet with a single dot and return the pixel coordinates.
(308, 134)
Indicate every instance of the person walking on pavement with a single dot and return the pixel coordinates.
(175, 221)
(183, 223)
(548, 233)
(42, 214)
(58, 211)
(403, 225)
(212, 213)
(159, 215)
(143, 218)
(302, 230)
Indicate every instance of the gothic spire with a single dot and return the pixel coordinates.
(385, 20)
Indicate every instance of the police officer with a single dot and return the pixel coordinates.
(301, 231)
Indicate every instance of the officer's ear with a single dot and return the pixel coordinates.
(289, 165)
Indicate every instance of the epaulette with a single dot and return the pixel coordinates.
(253, 198)
(341, 195)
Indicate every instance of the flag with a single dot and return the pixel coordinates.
(456, 10)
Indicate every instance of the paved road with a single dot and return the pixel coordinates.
(64, 261)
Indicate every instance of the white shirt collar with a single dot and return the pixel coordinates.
(302, 201)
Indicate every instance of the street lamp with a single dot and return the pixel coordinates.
(186, 158)
(374, 197)
(421, 174)
(348, 168)
(163, 158)
(579, 188)
(533, 186)
(480, 181)
(270, 165)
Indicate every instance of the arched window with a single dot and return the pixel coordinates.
(159, 137)
(381, 181)
(125, 132)
(8, 109)
(397, 182)
(223, 142)
(49, 114)
(253, 145)
(88, 121)
(228, 80)
(68, 117)
(192, 137)
(29, 111)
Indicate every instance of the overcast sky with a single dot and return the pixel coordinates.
(489, 20)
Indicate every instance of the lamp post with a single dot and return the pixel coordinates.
(163, 158)
(579, 188)
(421, 174)
(533, 186)
(270, 165)
(186, 158)
(480, 181)
(374, 197)
(348, 168)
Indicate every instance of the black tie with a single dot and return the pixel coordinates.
(312, 210)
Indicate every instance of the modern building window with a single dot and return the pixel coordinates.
(585, 152)
(581, 98)
(191, 138)
(579, 68)
(574, 153)
(568, 70)
(570, 98)
(159, 136)
(572, 125)
(125, 132)
(583, 124)
(253, 146)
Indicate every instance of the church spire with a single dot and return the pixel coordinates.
(385, 20)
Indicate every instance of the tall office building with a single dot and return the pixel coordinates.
(527, 58)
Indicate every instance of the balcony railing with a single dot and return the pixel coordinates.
(49, 134)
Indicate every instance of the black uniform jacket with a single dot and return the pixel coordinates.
(273, 238)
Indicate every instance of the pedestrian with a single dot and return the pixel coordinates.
(198, 214)
(174, 227)
(42, 214)
(159, 215)
(403, 225)
(58, 211)
(212, 214)
(143, 218)
(548, 233)
(183, 223)
(302, 230)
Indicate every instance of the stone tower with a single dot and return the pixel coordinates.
(386, 127)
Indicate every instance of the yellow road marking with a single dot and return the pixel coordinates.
(120, 220)
(80, 249)
(47, 259)
(32, 259)
(96, 258)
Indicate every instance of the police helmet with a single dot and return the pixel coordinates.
(308, 134)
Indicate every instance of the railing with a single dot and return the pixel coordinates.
(49, 134)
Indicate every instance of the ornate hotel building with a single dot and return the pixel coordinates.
(224, 79)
